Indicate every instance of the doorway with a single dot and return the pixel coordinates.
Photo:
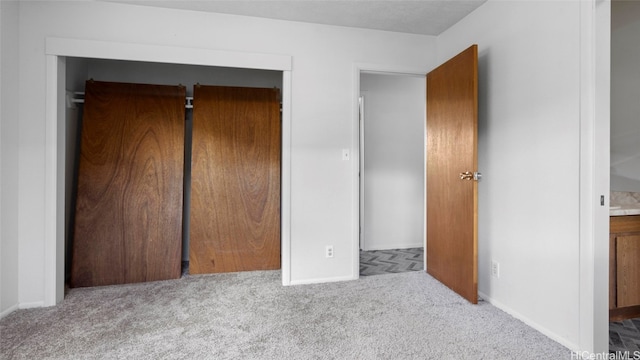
(392, 172)
(624, 304)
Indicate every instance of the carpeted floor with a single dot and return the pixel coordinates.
(252, 316)
(624, 336)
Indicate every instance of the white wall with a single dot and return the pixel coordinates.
(625, 93)
(174, 74)
(8, 157)
(323, 105)
(394, 125)
(529, 142)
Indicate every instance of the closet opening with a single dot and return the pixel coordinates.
(78, 70)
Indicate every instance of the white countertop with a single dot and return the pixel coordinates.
(624, 210)
(624, 203)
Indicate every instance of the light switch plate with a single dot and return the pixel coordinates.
(345, 154)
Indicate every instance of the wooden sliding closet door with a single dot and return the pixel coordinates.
(235, 180)
(128, 224)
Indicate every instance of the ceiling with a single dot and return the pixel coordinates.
(426, 17)
(624, 12)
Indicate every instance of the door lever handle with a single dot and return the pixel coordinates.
(468, 175)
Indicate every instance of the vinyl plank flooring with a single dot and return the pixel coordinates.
(377, 262)
(625, 336)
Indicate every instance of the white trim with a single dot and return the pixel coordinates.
(50, 180)
(54, 169)
(602, 171)
(355, 169)
(31, 305)
(388, 69)
(285, 181)
(9, 310)
(560, 339)
(361, 145)
(594, 175)
(586, 275)
(355, 149)
(53, 188)
(395, 246)
(165, 54)
(322, 280)
(424, 209)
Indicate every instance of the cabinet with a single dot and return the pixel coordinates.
(624, 267)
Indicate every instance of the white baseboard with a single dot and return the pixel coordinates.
(553, 336)
(322, 280)
(393, 246)
(30, 305)
(9, 311)
(12, 308)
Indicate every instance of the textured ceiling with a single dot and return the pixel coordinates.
(427, 17)
(624, 12)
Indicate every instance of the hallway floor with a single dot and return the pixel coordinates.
(377, 262)
(625, 336)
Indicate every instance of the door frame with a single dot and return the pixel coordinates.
(361, 174)
(56, 51)
(595, 83)
(359, 68)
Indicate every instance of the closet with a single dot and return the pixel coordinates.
(134, 181)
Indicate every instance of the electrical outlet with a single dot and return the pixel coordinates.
(495, 269)
(329, 251)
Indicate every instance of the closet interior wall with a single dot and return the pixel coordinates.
(78, 70)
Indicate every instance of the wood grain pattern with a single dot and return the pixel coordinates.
(128, 224)
(628, 270)
(624, 224)
(624, 271)
(452, 218)
(235, 190)
(624, 313)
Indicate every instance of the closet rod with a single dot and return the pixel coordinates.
(78, 98)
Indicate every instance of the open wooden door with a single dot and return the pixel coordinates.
(452, 161)
(235, 180)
